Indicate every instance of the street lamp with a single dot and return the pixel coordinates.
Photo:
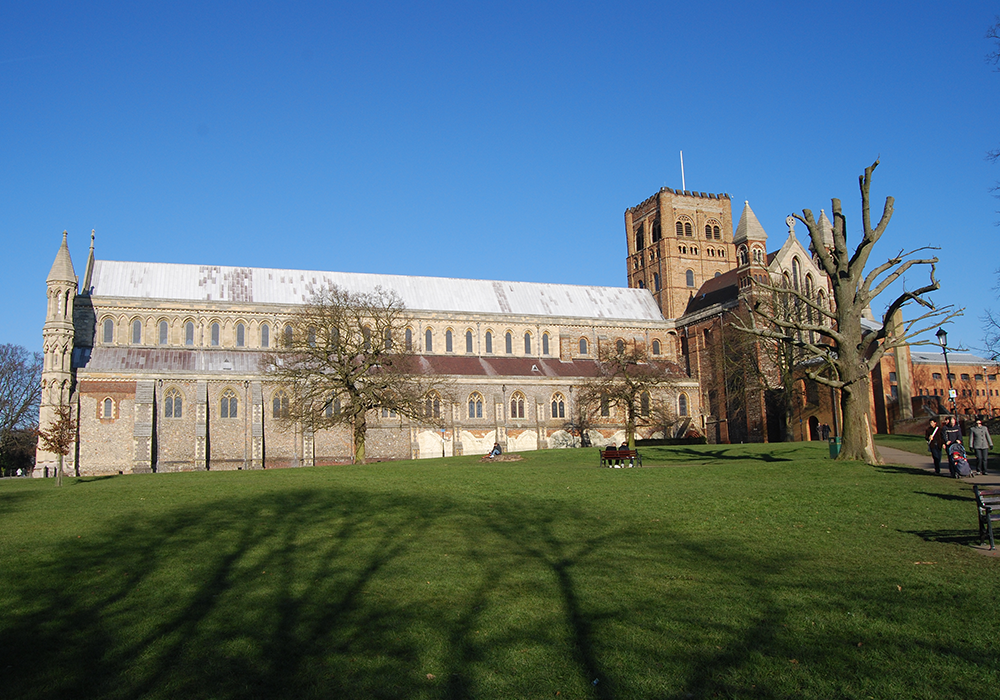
(942, 337)
(986, 378)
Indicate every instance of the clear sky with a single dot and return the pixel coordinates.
(483, 140)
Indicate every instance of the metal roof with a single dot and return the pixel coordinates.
(934, 357)
(272, 286)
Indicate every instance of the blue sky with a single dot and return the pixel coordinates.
(485, 140)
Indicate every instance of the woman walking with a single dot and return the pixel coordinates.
(980, 442)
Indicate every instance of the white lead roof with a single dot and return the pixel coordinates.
(270, 286)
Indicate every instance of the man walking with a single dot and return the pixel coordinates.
(980, 442)
(935, 441)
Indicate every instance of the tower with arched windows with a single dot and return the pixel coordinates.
(678, 239)
(57, 346)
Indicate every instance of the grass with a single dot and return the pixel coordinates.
(744, 571)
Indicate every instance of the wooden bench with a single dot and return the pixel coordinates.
(625, 457)
(988, 506)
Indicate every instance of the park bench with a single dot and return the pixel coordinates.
(988, 506)
(625, 457)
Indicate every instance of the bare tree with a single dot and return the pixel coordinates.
(60, 436)
(345, 354)
(853, 351)
(627, 378)
(20, 392)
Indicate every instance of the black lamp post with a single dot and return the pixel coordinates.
(942, 337)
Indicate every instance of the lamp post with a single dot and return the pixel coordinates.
(942, 336)
(989, 406)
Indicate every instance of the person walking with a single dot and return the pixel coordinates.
(935, 442)
(980, 442)
(952, 434)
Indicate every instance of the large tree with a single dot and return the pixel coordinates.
(346, 353)
(626, 381)
(20, 392)
(834, 347)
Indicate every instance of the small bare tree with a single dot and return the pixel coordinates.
(60, 436)
(627, 377)
(345, 354)
(853, 351)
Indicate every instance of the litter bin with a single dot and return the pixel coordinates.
(834, 447)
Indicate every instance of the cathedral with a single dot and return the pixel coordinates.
(160, 364)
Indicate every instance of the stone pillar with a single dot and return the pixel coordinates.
(257, 426)
(142, 427)
(308, 447)
(201, 443)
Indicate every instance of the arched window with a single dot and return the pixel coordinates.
(163, 332)
(241, 335)
(509, 343)
(432, 406)
(558, 406)
(656, 281)
(468, 341)
(489, 342)
(279, 408)
(708, 231)
(288, 336)
(476, 405)
(682, 405)
(689, 277)
(583, 346)
(640, 239)
(108, 409)
(265, 335)
(517, 405)
(545, 343)
(109, 331)
(228, 404)
(605, 406)
(680, 229)
(215, 334)
(136, 332)
(795, 273)
(408, 339)
(189, 333)
(619, 346)
(656, 233)
(716, 234)
(644, 403)
(333, 407)
(428, 341)
(741, 256)
(173, 404)
(656, 347)
(448, 341)
(687, 229)
(527, 343)
(387, 340)
(758, 256)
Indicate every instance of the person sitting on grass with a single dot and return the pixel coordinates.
(496, 451)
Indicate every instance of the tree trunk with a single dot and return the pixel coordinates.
(360, 427)
(857, 442)
(59, 472)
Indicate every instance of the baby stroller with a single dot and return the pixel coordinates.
(956, 453)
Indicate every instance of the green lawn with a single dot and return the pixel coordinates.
(757, 571)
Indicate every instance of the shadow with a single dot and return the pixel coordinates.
(92, 479)
(475, 589)
(688, 455)
(966, 537)
(947, 496)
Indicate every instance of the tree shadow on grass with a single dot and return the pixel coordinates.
(349, 593)
(667, 455)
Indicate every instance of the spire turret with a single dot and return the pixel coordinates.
(749, 229)
(62, 267)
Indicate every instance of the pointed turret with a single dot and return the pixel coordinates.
(749, 229)
(62, 267)
(89, 272)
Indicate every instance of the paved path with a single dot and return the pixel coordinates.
(909, 459)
